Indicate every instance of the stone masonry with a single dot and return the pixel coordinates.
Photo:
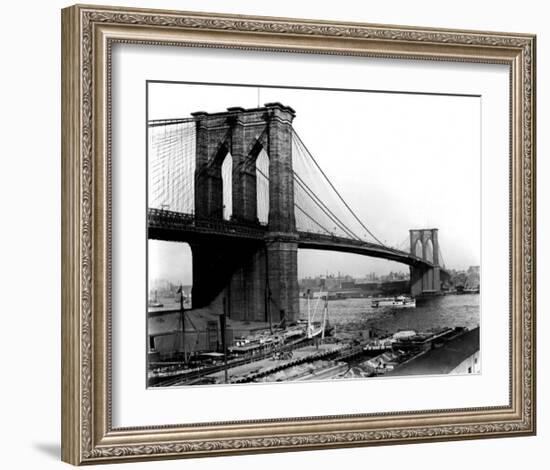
(259, 280)
(425, 281)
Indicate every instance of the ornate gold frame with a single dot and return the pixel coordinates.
(87, 34)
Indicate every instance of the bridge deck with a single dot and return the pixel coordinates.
(170, 225)
(161, 222)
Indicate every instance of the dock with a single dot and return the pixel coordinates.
(258, 369)
(443, 359)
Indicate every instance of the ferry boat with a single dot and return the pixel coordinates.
(395, 302)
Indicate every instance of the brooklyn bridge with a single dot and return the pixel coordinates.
(243, 190)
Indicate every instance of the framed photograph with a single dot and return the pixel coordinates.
(284, 234)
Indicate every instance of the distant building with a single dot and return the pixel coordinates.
(394, 281)
(347, 285)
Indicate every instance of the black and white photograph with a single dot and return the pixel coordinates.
(260, 235)
(311, 234)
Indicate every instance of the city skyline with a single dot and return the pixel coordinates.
(372, 276)
(172, 262)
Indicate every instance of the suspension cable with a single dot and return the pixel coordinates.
(311, 218)
(295, 134)
(323, 207)
(441, 256)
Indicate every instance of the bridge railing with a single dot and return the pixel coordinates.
(172, 220)
(162, 218)
(359, 243)
(336, 239)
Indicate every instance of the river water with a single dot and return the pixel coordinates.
(357, 315)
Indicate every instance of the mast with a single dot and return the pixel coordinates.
(267, 292)
(182, 320)
(223, 321)
(308, 316)
(325, 317)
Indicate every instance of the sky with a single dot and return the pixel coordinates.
(400, 161)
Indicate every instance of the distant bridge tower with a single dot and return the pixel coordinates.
(259, 278)
(425, 245)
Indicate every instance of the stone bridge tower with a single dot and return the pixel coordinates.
(259, 278)
(425, 245)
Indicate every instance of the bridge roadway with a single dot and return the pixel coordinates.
(176, 226)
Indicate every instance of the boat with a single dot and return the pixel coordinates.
(154, 302)
(320, 328)
(394, 302)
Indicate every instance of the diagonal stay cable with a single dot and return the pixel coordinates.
(323, 207)
(298, 207)
(319, 204)
(311, 218)
(295, 134)
(441, 256)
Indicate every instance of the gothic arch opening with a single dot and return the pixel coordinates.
(227, 186)
(429, 250)
(262, 187)
(418, 248)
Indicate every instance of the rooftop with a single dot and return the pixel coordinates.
(443, 359)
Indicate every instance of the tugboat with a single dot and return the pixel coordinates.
(394, 302)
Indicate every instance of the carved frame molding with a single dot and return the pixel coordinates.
(88, 33)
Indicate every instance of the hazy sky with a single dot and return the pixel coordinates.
(400, 161)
